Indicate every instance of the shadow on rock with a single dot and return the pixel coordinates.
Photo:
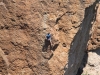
(79, 43)
(55, 47)
(48, 49)
(95, 50)
(46, 45)
(83, 64)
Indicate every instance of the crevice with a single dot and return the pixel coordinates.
(83, 64)
(59, 18)
(69, 13)
(85, 58)
(79, 43)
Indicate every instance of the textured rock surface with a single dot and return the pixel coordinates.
(23, 26)
(92, 61)
(93, 64)
(94, 41)
(79, 43)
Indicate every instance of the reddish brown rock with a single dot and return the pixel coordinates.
(23, 26)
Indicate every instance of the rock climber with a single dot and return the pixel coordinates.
(48, 38)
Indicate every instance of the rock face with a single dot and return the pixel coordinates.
(92, 62)
(92, 66)
(79, 43)
(23, 26)
(94, 41)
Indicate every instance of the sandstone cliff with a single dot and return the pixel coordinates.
(23, 26)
